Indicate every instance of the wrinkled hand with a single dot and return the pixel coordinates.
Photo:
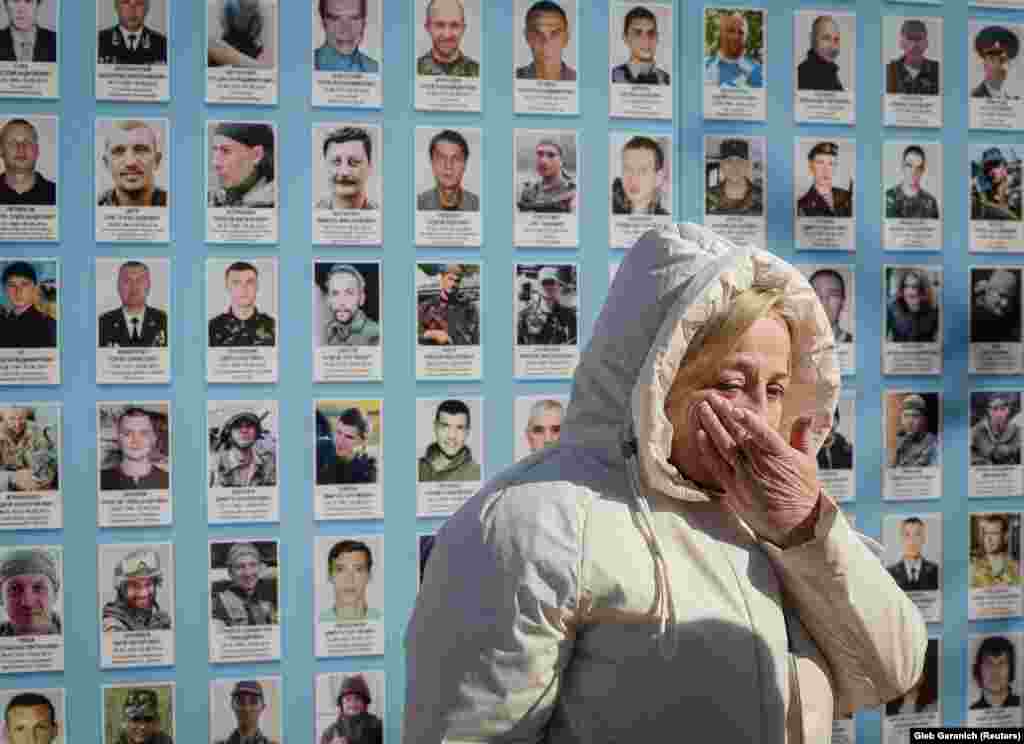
(771, 484)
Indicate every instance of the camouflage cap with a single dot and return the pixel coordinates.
(247, 687)
(29, 561)
(139, 564)
(141, 704)
(914, 402)
(241, 550)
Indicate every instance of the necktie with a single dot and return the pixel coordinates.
(131, 42)
(913, 575)
(135, 330)
(26, 51)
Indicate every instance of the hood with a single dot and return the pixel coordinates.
(670, 284)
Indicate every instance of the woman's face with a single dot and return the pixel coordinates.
(755, 376)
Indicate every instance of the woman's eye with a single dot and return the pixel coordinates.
(776, 391)
(729, 387)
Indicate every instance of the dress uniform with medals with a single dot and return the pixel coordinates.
(813, 204)
(119, 329)
(116, 46)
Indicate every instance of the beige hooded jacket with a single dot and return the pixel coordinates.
(590, 594)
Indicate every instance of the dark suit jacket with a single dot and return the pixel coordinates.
(982, 92)
(927, 577)
(45, 49)
(114, 331)
(112, 48)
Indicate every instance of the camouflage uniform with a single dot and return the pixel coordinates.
(916, 451)
(232, 607)
(982, 576)
(227, 330)
(751, 204)
(33, 451)
(983, 208)
(142, 703)
(462, 67)
(534, 197)
(458, 318)
(117, 615)
(360, 331)
(898, 205)
(109, 199)
(230, 468)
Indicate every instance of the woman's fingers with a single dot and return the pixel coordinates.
(713, 460)
(759, 431)
(722, 440)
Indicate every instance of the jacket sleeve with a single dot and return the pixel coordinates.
(869, 631)
(486, 646)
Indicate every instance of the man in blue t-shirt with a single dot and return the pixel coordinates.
(730, 66)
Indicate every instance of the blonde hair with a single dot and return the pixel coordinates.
(722, 334)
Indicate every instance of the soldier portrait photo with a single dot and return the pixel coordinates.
(640, 38)
(349, 437)
(734, 48)
(242, 164)
(343, 25)
(538, 422)
(913, 72)
(448, 447)
(29, 306)
(451, 180)
(995, 550)
(643, 182)
(912, 571)
(995, 183)
(451, 42)
(139, 714)
(830, 286)
(996, 48)
(351, 592)
(546, 305)
(995, 428)
(134, 321)
(546, 171)
(248, 285)
(348, 167)
(241, 33)
(33, 716)
(23, 143)
(131, 32)
(825, 197)
(134, 446)
(346, 302)
(912, 310)
(734, 176)
(243, 584)
(140, 595)
(914, 429)
(909, 200)
(836, 451)
(243, 444)
(549, 43)
(994, 672)
(246, 711)
(30, 591)
(130, 154)
(448, 304)
(349, 706)
(826, 62)
(29, 447)
(29, 32)
(996, 308)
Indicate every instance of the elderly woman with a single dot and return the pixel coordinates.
(671, 566)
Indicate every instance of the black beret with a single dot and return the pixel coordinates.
(248, 133)
(734, 148)
(994, 39)
(20, 268)
(823, 148)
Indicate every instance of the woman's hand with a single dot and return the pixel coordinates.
(771, 484)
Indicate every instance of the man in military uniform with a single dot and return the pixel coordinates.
(907, 200)
(21, 183)
(31, 718)
(29, 586)
(22, 324)
(446, 24)
(344, 23)
(246, 599)
(241, 457)
(449, 318)
(555, 190)
(997, 46)
(248, 704)
(822, 199)
(242, 324)
(448, 457)
(992, 565)
(546, 320)
(995, 316)
(28, 456)
(448, 155)
(819, 70)
(140, 719)
(135, 323)
(24, 40)
(913, 572)
(243, 159)
(836, 452)
(137, 443)
(132, 156)
(345, 289)
(131, 42)
(137, 579)
(830, 287)
(640, 34)
(916, 447)
(996, 438)
(993, 194)
(913, 73)
(638, 190)
(354, 724)
(351, 462)
(547, 34)
(736, 193)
